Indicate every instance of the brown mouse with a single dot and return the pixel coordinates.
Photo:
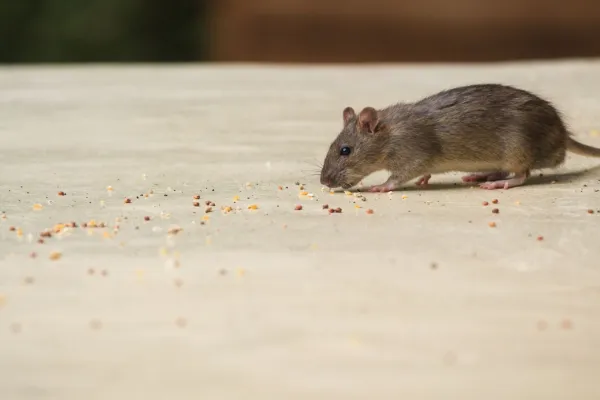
(497, 133)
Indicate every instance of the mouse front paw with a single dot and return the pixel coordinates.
(386, 187)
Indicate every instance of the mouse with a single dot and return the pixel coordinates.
(495, 133)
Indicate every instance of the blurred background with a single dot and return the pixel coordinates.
(306, 31)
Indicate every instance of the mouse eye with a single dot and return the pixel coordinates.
(345, 151)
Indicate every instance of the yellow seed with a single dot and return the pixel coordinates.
(348, 193)
(303, 193)
(236, 198)
(19, 232)
(106, 235)
(37, 207)
(252, 207)
(241, 272)
(404, 197)
(227, 209)
(2, 301)
(55, 255)
(59, 227)
(109, 188)
(205, 217)
(356, 206)
(92, 223)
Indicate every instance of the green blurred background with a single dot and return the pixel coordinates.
(48, 31)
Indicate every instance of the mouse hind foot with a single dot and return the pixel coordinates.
(517, 180)
(485, 176)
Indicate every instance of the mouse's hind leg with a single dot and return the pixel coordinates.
(485, 176)
(517, 180)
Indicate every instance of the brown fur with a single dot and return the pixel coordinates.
(477, 128)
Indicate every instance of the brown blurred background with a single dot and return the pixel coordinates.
(304, 31)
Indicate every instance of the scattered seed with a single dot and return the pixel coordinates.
(55, 255)
(37, 207)
(196, 204)
(298, 207)
(16, 328)
(590, 211)
(196, 197)
(338, 210)
(566, 324)
(146, 218)
(33, 254)
(12, 229)
(485, 203)
(492, 224)
(104, 273)
(252, 207)
(370, 211)
(495, 211)
(325, 206)
(95, 324)
(127, 201)
(540, 238)
(181, 322)
(62, 193)
(208, 209)
(495, 201)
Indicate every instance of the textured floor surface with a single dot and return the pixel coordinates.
(156, 299)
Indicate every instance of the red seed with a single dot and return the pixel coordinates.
(298, 207)
(540, 238)
(61, 193)
(369, 211)
(590, 211)
(325, 206)
(495, 211)
(196, 197)
(12, 229)
(146, 218)
(485, 203)
(196, 204)
(495, 201)
(127, 201)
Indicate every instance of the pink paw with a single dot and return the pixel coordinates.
(495, 185)
(424, 180)
(382, 188)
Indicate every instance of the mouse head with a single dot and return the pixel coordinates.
(356, 152)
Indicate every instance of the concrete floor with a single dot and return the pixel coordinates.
(420, 300)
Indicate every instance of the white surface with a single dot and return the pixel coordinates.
(330, 306)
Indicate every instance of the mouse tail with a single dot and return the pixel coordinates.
(582, 149)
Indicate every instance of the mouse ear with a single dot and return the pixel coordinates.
(368, 119)
(348, 115)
